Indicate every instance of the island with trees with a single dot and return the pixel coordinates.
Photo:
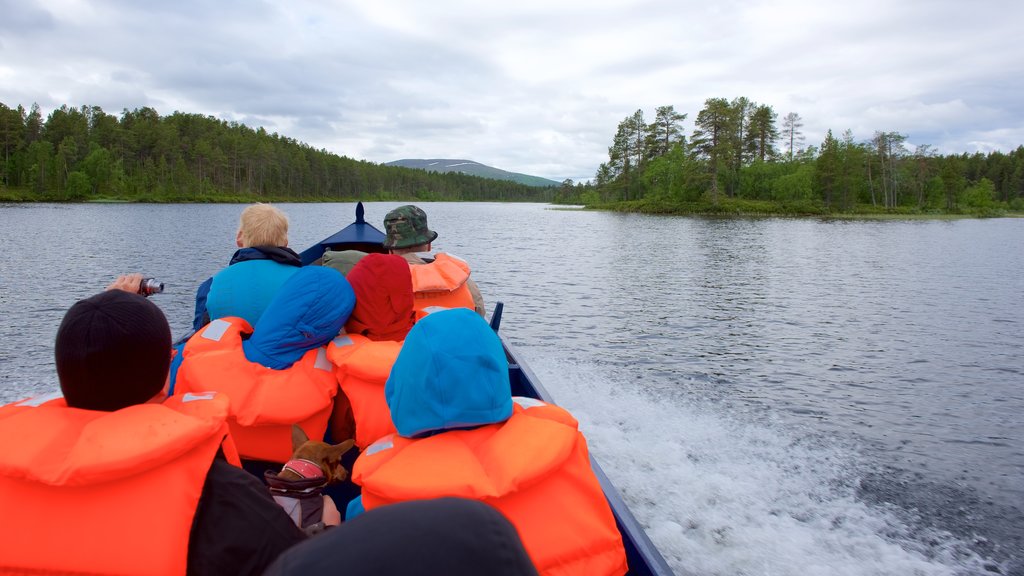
(740, 159)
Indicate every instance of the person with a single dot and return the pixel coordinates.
(439, 280)
(461, 433)
(118, 478)
(451, 536)
(276, 372)
(363, 356)
(255, 272)
(341, 260)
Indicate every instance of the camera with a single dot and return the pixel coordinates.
(150, 286)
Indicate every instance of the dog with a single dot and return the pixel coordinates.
(298, 487)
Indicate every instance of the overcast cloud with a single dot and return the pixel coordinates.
(532, 86)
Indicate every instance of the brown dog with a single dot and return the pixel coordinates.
(299, 485)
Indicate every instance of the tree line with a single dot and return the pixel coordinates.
(740, 157)
(79, 154)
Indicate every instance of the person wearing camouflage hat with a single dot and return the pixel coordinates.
(406, 227)
(439, 280)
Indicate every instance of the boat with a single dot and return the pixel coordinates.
(642, 557)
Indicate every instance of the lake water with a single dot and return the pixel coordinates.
(771, 396)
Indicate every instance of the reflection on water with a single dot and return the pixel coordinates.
(769, 394)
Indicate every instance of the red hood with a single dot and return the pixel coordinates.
(384, 300)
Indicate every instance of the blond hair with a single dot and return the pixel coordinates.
(263, 225)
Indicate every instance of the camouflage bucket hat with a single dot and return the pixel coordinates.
(407, 226)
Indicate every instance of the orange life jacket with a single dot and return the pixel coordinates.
(362, 368)
(90, 492)
(534, 468)
(264, 402)
(441, 283)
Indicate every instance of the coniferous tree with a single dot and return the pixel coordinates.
(852, 157)
(12, 137)
(666, 131)
(33, 125)
(791, 125)
(889, 152)
(627, 152)
(828, 168)
(762, 133)
(951, 174)
(637, 130)
(923, 171)
(712, 139)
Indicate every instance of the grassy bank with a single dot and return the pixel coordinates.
(757, 208)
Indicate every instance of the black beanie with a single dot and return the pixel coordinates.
(113, 350)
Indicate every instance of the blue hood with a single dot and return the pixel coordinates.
(451, 373)
(308, 311)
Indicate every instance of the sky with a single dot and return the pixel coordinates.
(530, 86)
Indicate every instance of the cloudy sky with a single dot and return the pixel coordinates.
(532, 86)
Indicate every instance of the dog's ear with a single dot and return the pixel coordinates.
(336, 451)
(298, 437)
(333, 454)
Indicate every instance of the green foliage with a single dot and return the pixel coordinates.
(77, 186)
(732, 158)
(571, 193)
(797, 186)
(84, 153)
(590, 198)
(673, 177)
(724, 207)
(980, 198)
(11, 194)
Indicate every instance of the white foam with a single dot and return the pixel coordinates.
(726, 494)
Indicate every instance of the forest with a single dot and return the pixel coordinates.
(86, 154)
(740, 159)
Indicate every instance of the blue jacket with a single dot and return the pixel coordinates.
(246, 286)
(451, 373)
(309, 310)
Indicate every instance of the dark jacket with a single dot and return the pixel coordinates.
(238, 528)
(451, 536)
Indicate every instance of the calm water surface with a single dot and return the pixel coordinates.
(771, 396)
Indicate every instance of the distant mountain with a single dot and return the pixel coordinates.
(473, 169)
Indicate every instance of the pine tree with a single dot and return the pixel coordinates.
(791, 126)
(713, 140)
(763, 133)
(665, 131)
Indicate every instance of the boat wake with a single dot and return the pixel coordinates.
(721, 492)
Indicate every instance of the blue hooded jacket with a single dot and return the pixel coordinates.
(451, 373)
(246, 286)
(309, 310)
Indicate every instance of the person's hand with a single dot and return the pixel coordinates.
(331, 515)
(127, 282)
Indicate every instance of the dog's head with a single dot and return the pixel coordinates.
(326, 456)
